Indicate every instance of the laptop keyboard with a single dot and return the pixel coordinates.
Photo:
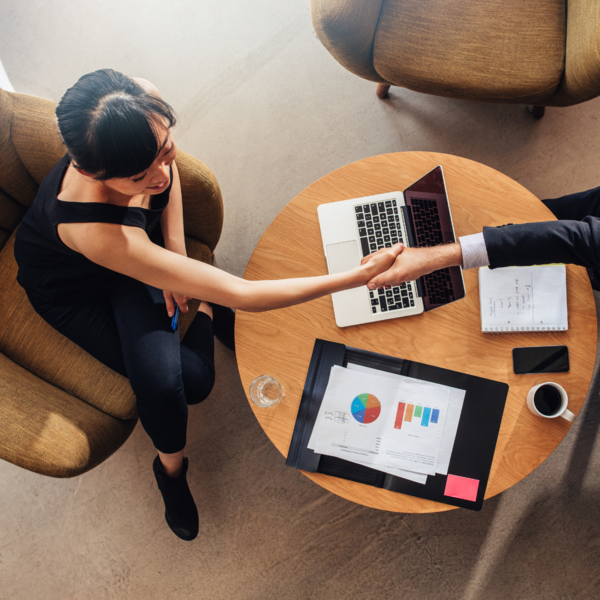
(426, 218)
(380, 225)
(438, 287)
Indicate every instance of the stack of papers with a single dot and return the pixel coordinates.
(395, 424)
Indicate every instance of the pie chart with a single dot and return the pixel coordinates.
(365, 408)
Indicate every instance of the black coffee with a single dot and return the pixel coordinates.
(547, 400)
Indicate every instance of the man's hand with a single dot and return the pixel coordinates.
(379, 262)
(413, 263)
(171, 299)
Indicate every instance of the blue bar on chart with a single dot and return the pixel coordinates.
(435, 414)
(425, 417)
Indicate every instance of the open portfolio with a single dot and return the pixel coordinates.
(396, 424)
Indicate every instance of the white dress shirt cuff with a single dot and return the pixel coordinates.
(474, 251)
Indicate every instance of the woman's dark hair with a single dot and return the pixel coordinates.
(108, 123)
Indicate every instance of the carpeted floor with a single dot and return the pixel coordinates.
(264, 105)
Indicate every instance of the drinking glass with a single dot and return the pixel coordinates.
(265, 391)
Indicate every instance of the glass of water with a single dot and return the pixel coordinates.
(265, 391)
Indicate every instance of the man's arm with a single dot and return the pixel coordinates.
(570, 242)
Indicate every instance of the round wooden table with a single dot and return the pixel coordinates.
(280, 342)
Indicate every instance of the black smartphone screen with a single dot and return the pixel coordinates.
(541, 359)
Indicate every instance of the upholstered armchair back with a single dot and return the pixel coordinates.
(539, 52)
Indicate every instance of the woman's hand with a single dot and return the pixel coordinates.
(172, 299)
(380, 261)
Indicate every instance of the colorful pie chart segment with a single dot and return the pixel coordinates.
(365, 408)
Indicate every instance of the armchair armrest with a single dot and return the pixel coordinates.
(581, 78)
(347, 29)
(48, 431)
(202, 200)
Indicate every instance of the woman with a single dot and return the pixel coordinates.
(105, 235)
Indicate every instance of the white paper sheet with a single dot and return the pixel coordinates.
(457, 397)
(379, 435)
(514, 299)
(410, 475)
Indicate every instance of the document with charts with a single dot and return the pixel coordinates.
(457, 398)
(380, 421)
(515, 299)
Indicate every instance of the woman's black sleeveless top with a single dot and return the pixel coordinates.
(51, 272)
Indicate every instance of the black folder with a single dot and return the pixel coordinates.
(476, 436)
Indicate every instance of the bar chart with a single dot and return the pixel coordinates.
(410, 413)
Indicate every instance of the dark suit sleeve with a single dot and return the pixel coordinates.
(570, 242)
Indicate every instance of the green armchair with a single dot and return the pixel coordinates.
(61, 411)
(539, 52)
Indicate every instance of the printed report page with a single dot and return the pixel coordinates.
(380, 421)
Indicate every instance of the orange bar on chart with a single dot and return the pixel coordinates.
(409, 412)
(399, 415)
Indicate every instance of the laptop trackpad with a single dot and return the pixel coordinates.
(343, 256)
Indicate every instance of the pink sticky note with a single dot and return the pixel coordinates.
(461, 487)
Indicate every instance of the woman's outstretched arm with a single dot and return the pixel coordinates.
(128, 250)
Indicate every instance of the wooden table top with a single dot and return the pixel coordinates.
(280, 342)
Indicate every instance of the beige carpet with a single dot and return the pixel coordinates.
(269, 111)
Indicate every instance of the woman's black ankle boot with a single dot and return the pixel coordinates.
(180, 509)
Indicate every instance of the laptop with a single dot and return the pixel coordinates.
(419, 216)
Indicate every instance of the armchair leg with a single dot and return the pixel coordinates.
(537, 111)
(382, 90)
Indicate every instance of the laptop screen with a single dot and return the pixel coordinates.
(431, 224)
(428, 209)
(432, 183)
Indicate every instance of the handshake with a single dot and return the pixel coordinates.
(395, 265)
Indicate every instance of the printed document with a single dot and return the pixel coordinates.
(457, 397)
(380, 421)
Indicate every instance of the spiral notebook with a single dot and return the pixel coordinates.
(516, 299)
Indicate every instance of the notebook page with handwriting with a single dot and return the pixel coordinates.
(516, 299)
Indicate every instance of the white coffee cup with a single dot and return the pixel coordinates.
(542, 408)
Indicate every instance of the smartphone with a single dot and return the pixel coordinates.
(541, 359)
